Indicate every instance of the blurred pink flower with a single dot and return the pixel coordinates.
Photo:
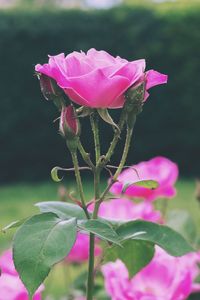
(80, 250)
(161, 169)
(97, 79)
(6, 263)
(11, 287)
(125, 210)
(165, 278)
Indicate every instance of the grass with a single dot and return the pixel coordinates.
(17, 202)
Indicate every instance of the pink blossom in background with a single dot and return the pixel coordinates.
(125, 210)
(80, 250)
(161, 169)
(165, 278)
(6, 263)
(11, 287)
(96, 78)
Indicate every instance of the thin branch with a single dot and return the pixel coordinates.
(124, 167)
(107, 169)
(95, 128)
(85, 155)
(79, 183)
(73, 169)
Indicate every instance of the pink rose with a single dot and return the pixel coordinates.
(161, 169)
(80, 250)
(97, 79)
(126, 210)
(11, 287)
(165, 278)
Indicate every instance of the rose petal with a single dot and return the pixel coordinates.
(155, 78)
(95, 88)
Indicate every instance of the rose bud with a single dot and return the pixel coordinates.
(134, 102)
(69, 123)
(50, 90)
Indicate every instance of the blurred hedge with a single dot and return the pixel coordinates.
(169, 125)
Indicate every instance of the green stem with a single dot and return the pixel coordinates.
(125, 153)
(95, 128)
(85, 155)
(101, 198)
(115, 140)
(90, 279)
(164, 207)
(79, 182)
(98, 198)
(118, 171)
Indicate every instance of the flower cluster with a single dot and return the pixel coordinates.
(11, 286)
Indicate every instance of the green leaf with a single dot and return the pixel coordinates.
(62, 209)
(135, 254)
(104, 114)
(181, 221)
(149, 184)
(101, 229)
(68, 210)
(54, 174)
(39, 243)
(161, 235)
(14, 224)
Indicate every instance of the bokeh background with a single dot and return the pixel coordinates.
(166, 33)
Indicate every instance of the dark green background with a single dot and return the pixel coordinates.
(169, 125)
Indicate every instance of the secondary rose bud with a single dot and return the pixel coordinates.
(135, 98)
(48, 86)
(50, 90)
(69, 123)
(134, 102)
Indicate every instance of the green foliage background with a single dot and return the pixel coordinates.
(169, 39)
